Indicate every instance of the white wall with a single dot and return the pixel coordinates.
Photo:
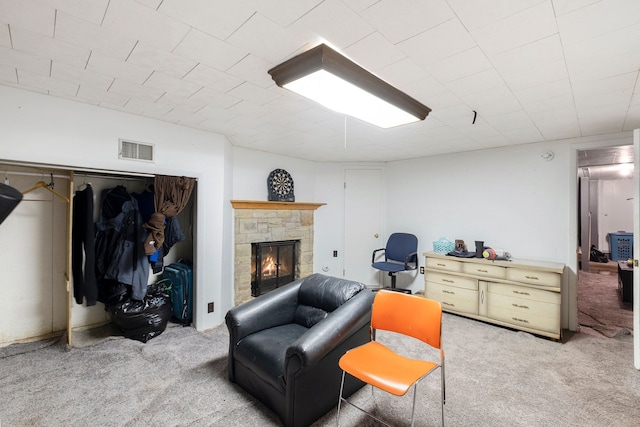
(615, 209)
(35, 128)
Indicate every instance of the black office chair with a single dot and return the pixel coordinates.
(400, 254)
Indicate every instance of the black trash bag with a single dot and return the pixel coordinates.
(597, 256)
(146, 319)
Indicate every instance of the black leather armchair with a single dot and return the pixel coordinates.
(284, 346)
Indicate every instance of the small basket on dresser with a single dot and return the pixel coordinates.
(443, 246)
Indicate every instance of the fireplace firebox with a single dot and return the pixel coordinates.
(273, 264)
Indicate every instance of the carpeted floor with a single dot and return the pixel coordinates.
(600, 307)
(495, 377)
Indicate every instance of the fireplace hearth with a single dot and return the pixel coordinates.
(273, 264)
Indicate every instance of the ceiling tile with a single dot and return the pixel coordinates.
(252, 69)
(537, 75)
(158, 60)
(30, 15)
(278, 45)
(125, 88)
(463, 64)
(438, 43)
(565, 6)
(523, 58)
(60, 87)
(253, 93)
(81, 33)
(212, 78)
(477, 14)
(215, 99)
(24, 61)
(144, 24)
(332, 21)
(92, 11)
(46, 47)
(100, 96)
(80, 76)
(201, 47)
(623, 82)
(172, 85)
(402, 73)
(217, 18)
(287, 11)
(5, 38)
(527, 26)
(118, 69)
(597, 19)
(614, 49)
(146, 108)
(374, 52)
(392, 21)
(8, 74)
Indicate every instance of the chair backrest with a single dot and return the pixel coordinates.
(400, 245)
(410, 315)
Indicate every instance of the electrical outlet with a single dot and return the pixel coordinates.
(210, 307)
(335, 254)
(421, 270)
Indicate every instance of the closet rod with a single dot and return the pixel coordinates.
(41, 175)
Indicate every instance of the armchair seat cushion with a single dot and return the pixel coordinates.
(264, 353)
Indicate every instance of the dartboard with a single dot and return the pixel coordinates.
(280, 185)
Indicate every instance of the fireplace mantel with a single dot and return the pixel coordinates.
(263, 204)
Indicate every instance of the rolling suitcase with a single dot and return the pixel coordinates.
(181, 276)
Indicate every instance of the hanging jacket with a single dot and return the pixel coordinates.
(119, 243)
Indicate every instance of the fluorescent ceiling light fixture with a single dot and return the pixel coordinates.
(325, 76)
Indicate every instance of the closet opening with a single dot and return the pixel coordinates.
(38, 286)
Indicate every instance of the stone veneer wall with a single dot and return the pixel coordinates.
(266, 225)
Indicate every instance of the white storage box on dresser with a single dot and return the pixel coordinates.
(519, 294)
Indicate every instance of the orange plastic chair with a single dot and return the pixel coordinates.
(377, 365)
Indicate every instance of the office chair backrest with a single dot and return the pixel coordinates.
(399, 245)
(410, 315)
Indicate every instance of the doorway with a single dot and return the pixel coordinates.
(605, 211)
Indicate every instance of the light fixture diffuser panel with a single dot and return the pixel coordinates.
(339, 95)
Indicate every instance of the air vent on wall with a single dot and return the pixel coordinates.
(135, 150)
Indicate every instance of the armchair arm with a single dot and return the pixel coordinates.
(327, 334)
(272, 309)
(373, 255)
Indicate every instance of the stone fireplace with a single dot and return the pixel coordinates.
(262, 221)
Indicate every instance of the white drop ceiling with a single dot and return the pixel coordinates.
(533, 70)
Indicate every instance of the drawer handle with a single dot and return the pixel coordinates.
(520, 306)
(448, 281)
(532, 277)
(521, 293)
(441, 265)
(444, 291)
(448, 304)
(482, 271)
(520, 320)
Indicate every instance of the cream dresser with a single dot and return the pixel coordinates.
(519, 294)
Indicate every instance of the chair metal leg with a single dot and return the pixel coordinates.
(413, 410)
(340, 400)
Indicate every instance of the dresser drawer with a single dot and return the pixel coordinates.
(524, 293)
(527, 313)
(450, 280)
(485, 270)
(444, 264)
(454, 299)
(540, 278)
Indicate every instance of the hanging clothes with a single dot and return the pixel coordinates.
(120, 257)
(83, 249)
(172, 194)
